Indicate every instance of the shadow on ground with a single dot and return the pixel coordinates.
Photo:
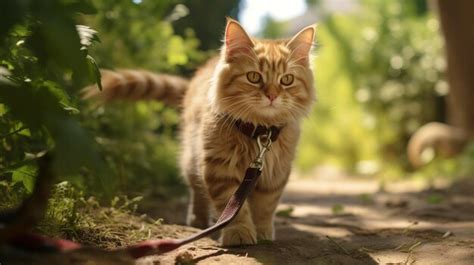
(327, 221)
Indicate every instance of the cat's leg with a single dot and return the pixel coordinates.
(241, 230)
(199, 206)
(263, 204)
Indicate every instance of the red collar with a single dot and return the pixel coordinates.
(254, 132)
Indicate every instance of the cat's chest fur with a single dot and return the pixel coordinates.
(227, 153)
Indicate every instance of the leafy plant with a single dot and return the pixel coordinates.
(43, 61)
(141, 35)
(138, 145)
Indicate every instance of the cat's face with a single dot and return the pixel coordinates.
(264, 81)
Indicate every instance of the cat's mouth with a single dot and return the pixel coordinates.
(270, 109)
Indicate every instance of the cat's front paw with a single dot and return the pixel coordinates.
(239, 235)
(265, 233)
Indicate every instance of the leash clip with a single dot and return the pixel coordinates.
(264, 142)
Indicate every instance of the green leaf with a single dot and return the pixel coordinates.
(56, 43)
(25, 175)
(94, 71)
(3, 110)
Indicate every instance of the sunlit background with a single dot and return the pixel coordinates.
(253, 13)
(387, 112)
(380, 72)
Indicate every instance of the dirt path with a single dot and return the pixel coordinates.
(323, 220)
(348, 221)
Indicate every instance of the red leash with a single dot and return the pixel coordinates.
(231, 210)
(159, 246)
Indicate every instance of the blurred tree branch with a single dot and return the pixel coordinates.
(457, 25)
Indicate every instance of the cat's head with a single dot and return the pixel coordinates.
(264, 81)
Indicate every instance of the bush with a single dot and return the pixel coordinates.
(45, 61)
(379, 76)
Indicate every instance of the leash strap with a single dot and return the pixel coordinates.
(160, 246)
(231, 210)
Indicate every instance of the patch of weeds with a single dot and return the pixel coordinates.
(265, 242)
(337, 209)
(70, 215)
(62, 213)
(125, 204)
(434, 199)
(285, 212)
(408, 247)
(115, 226)
(11, 194)
(366, 198)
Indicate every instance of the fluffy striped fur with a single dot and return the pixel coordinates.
(138, 85)
(214, 154)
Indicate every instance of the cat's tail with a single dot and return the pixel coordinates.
(133, 85)
(435, 138)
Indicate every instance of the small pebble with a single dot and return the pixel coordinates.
(184, 258)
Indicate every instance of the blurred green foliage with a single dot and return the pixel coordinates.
(273, 29)
(137, 140)
(379, 76)
(139, 146)
(140, 34)
(43, 61)
(459, 166)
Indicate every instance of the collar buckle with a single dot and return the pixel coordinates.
(264, 141)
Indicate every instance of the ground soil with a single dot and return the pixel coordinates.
(333, 219)
(341, 220)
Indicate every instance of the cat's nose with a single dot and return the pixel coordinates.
(271, 97)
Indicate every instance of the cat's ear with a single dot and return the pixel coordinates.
(237, 41)
(301, 44)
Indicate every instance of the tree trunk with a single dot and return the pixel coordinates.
(457, 20)
(457, 23)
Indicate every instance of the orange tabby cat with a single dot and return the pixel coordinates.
(263, 82)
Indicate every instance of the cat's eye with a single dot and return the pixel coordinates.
(287, 80)
(254, 77)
